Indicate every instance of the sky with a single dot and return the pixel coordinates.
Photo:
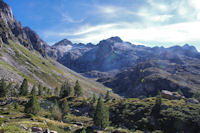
(148, 22)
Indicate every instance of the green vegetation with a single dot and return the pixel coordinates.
(66, 90)
(32, 107)
(101, 115)
(78, 89)
(4, 88)
(24, 88)
(33, 91)
(107, 98)
(65, 108)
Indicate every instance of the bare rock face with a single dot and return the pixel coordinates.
(10, 29)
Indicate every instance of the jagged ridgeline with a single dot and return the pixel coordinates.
(23, 55)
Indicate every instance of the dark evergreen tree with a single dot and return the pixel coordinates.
(40, 90)
(77, 89)
(33, 91)
(101, 115)
(180, 92)
(157, 107)
(94, 98)
(56, 93)
(32, 107)
(15, 90)
(66, 90)
(3, 88)
(45, 91)
(24, 88)
(65, 108)
(49, 92)
(56, 113)
(107, 97)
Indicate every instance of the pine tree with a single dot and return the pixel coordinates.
(45, 91)
(101, 115)
(15, 92)
(107, 97)
(33, 92)
(24, 88)
(57, 115)
(49, 92)
(94, 98)
(157, 107)
(66, 90)
(65, 108)
(40, 90)
(32, 107)
(3, 88)
(77, 89)
(56, 91)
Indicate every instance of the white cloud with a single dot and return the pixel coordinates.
(165, 22)
(69, 19)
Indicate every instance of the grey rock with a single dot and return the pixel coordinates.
(68, 128)
(193, 101)
(37, 129)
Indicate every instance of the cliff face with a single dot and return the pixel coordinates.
(11, 29)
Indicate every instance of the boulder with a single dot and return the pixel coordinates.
(47, 131)
(167, 94)
(191, 100)
(23, 127)
(170, 95)
(37, 129)
(68, 128)
(78, 123)
(53, 131)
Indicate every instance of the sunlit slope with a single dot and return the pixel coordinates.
(17, 62)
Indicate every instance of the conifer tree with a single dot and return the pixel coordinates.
(65, 108)
(107, 97)
(32, 107)
(33, 91)
(101, 115)
(15, 92)
(77, 89)
(45, 91)
(94, 98)
(157, 107)
(57, 115)
(3, 88)
(66, 90)
(40, 90)
(56, 91)
(49, 92)
(24, 88)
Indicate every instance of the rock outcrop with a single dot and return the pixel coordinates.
(11, 29)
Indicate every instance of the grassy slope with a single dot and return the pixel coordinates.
(17, 61)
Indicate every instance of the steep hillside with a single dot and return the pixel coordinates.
(23, 55)
(17, 62)
(147, 78)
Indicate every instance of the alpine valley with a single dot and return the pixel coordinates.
(110, 87)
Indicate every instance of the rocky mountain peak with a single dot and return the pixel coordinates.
(189, 47)
(115, 39)
(5, 12)
(63, 42)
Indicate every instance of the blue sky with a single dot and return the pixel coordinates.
(149, 22)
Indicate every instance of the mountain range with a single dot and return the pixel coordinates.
(23, 54)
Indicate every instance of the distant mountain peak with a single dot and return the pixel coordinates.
(63, 42)
(116, 39)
